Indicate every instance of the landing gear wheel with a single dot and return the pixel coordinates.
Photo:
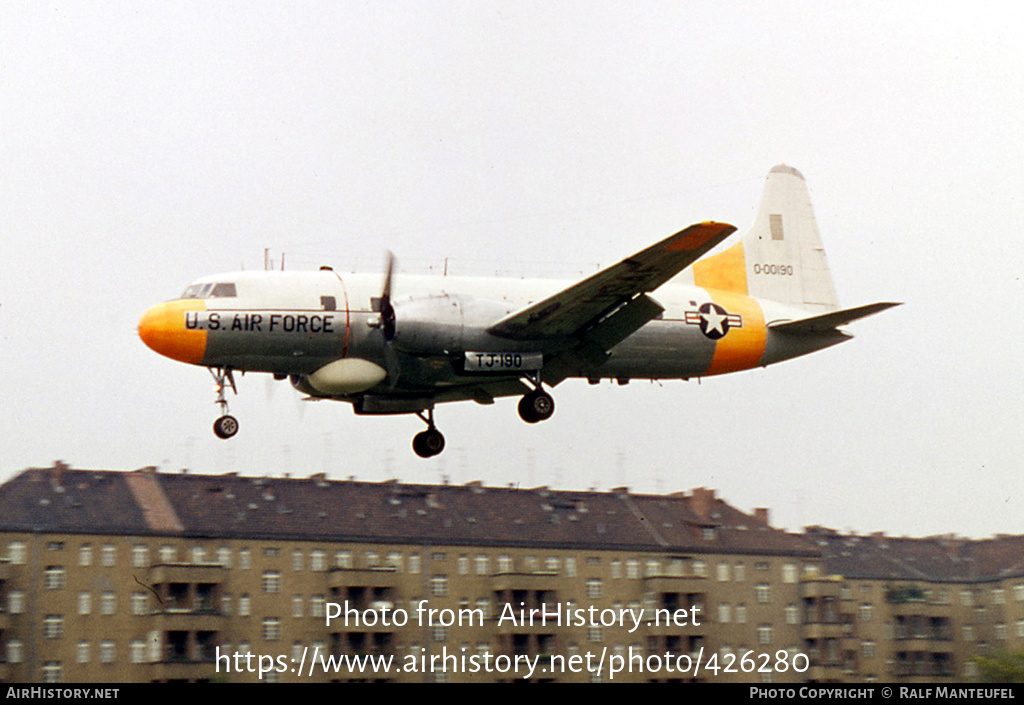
(428, 443)
(536, 406)
(225, 427)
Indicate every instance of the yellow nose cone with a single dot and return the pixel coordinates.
(163, 328)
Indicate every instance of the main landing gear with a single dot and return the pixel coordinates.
(226, 426)
(537, 405)
(428, 443)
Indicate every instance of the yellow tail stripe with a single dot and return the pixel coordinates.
(740, 348)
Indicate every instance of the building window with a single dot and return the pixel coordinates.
(108, 603)
(16, 601)
(552, 564)
(463, 565)
(1018, 592)
(395, 560)
(741, 614)
(297, 559)
(700, 569)
(1000, 631)
(244, 606)
(708, 533)
(372, 559)
(439, 586)
(16, 552)
(271, 629)
(271, 552)
(224, 557)
(789, 573)
(140, 603)
(318, 561)
(440, 633)
(137, 651)
(297, 605)
(724, 613)
(140, 556)
(966, 598)
(107, 555)
(763, 592)
(198, 554)
(616, 569)
(632, 569)
(168, 554)
(53, 577)
(15, 651)
(318, 605)
(106, 652)
(483, 605)
(53, 626)
(82, 652)
(85, 555)
(414, 563)
(739, 573)
(84, 603)
(1020, 627)
(570, 567)
(482, 565)
(505, 564)
(998, 597)
(791, 614)
(594, 589)
(595, 635)
(868, 649)
(865, 613)
(764, 634)
(53, 672)
(723, 572)
(271, 581)
(343, 559)
(244, 559)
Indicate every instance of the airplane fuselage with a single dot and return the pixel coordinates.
(293, 323)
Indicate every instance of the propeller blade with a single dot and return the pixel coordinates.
(387, 310)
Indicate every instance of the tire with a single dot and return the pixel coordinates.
(536, 406)
(225, 427)
(428, 443)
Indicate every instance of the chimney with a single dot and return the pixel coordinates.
(761, 514)
(701, 500)
(57, 474)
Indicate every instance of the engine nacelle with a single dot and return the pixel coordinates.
(445, 323)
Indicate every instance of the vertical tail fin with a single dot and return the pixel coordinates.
(781, 257)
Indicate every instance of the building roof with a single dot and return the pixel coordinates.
(933, 558)
(147, 502)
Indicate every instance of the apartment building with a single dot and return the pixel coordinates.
(151, 576)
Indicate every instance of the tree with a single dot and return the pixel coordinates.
(1001, 667)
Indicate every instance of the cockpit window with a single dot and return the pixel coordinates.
(210, 290)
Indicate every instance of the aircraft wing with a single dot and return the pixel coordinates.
(582, 305)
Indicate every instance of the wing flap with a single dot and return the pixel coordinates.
(575, 309)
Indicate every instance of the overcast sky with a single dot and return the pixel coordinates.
(143, 145)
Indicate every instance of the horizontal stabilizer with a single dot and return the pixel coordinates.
(830, 321)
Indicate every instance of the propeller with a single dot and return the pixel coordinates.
(388, 322)
(387, 309)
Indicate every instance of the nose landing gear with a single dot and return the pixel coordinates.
(226, 426)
